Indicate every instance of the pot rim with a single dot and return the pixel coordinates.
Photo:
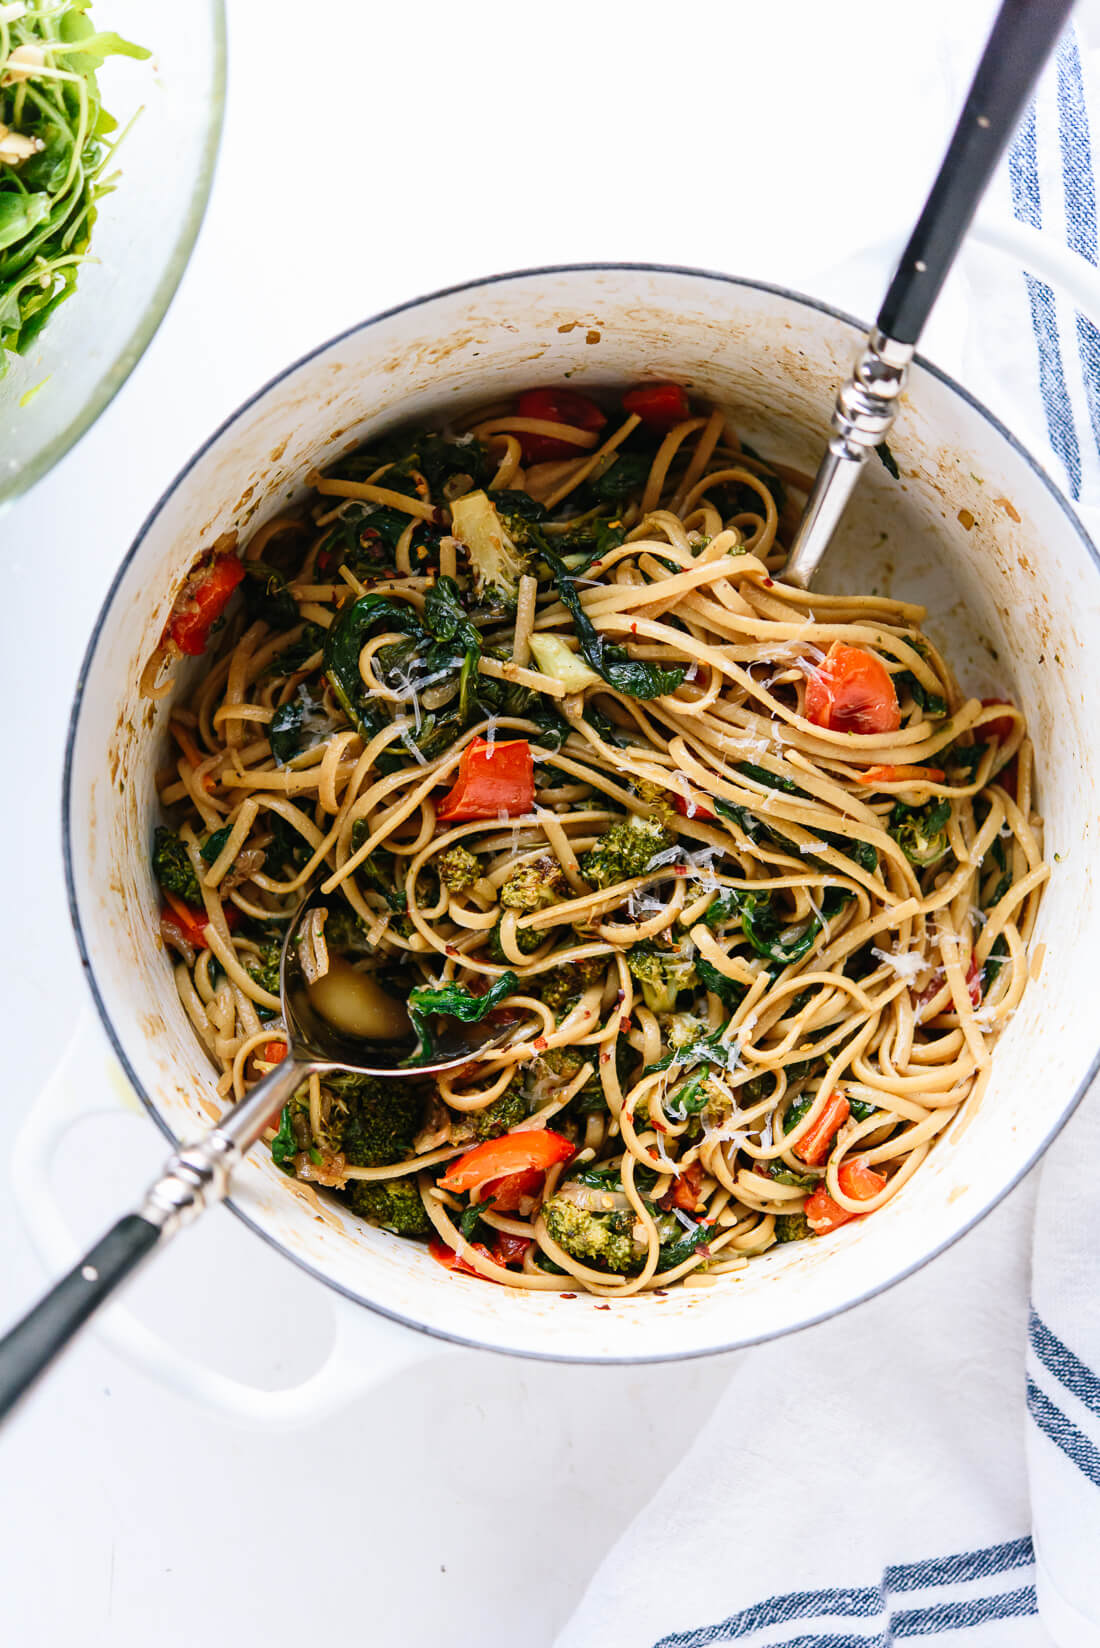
(415, 1324)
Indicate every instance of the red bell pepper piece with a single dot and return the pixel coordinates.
(660, 405)
(691, 809)
(273, 1052)
(193, 923)
(513, 1155)
(852, 692)
(1002, 726)
(815, 1146)
(203, 599)
(556, 406)
(897, 775)
(492, 779)
(856, 1180)
(973, 984)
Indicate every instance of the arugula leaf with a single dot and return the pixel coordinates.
(284, 1146)
(378, 869)
(728, 990)
(266, 596)
(211, 848)
(345, 640)
(634, 678)
(445, 616)
(888, 461)
(622, 479)
(674, 1253)
(289, 728)
(48, 204)
(452, 1001)
(965, 757)
(773, 781)
(760, 924)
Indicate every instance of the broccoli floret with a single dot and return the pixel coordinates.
(496, 561)
(394, 1204)
(566, 983)
(381, 1118)
(625, 850)
(921, 832)
(604, 1240)
(527, 940)
(659, 799)
(458, 869)
(565, 1063)
(172, 867)
(662, 975)
(503, 1113)
(792, 1227)
(264, 967)
(533, 886)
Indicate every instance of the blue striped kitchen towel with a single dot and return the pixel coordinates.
(927, 1466)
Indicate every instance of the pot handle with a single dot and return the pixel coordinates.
(1043, 255)
(367, 1347)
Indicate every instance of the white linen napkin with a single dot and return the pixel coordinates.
(898, 1472)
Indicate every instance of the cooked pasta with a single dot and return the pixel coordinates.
(748, 876)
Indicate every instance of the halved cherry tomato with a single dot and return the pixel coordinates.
(506, 1250)
(506, 1194)
(898, 775)
(556, 406)
(856, 1180)
(273, 1052)
(1002, 726)
(203, 599)
(449, 1259)
(509, 1156)
(193, 923)
(492, 779)
(817, 1143)
(509, 1249)
(852, 692)
(660, 405)
(973, 984)
(691, 809)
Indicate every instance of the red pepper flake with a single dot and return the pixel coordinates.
(680, 869)
(660, 1293)
(567, 1295)
(624, 1024)
(452, 950)
(540, 1044)
(603, 1307)
(605, 1058)
(769, 583)
(659, 1126)
(633, 629)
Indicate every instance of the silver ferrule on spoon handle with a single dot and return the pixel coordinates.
(865, 409)
(198, 1174)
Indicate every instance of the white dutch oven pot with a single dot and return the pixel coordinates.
(974, 529)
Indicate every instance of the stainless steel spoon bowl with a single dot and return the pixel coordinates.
(200, 1174)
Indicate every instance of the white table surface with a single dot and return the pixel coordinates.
(470, 1498)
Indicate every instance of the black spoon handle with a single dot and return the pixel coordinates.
(1023, 37)
(29, 1348)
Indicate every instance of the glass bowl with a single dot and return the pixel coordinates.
(142, 238)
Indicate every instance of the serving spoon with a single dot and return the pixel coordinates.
(199, 1174)
(1023, 36)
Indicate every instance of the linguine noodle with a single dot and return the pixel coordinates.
(750, 1013)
